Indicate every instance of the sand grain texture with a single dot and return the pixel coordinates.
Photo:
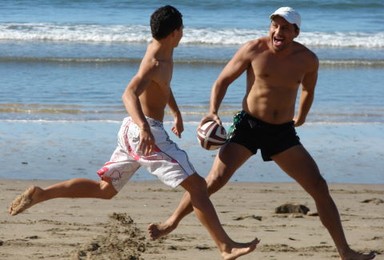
(116, 229)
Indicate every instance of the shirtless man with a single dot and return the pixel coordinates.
(143, 141)
(276, 66)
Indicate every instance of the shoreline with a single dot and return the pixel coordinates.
(69, 228)
(344, 153)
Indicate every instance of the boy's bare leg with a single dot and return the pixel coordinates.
(74, 188)
(205, 212)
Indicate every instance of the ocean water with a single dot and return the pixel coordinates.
(68, 62)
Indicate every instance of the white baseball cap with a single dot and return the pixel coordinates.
(289, 14)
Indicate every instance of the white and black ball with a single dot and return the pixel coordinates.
(211, 135)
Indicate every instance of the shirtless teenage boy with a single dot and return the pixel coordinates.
(143, 141)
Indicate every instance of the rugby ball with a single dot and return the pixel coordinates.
(211, 135)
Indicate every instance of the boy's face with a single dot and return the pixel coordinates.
(178, 34)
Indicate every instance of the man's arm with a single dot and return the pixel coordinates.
(307, 93)
(234, 68)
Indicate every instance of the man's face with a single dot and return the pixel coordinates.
(282, 33)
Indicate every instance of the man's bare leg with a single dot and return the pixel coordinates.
(330, 218)
(205, 212)
(298, 163)
(74, 188)
(228, 160)
(157, 230)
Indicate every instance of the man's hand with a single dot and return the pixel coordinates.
(298, 122)
(210, 117)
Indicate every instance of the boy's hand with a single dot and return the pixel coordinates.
(178, 127)
(147, 142)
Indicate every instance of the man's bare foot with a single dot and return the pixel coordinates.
(240, 249)
(353, 255)
(23, 201)
(155, 231)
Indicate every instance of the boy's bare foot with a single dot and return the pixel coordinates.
(155, 231)
(353, 255)
(240, 249)
(23, 201)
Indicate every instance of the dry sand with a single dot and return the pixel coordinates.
(116, 229)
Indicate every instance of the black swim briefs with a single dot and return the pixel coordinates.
(255, 134)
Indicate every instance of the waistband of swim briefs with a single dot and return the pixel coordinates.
(262, 123)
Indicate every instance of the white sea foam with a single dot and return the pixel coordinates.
(94, 33)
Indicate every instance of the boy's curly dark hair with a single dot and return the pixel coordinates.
(164, 21)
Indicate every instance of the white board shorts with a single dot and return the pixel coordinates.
(168, 162)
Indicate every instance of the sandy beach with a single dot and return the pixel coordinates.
(116, 229)
(64, 66)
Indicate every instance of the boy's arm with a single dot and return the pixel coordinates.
(178, 126)
(133, 106)
(132, 102)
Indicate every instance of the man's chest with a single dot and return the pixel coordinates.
(278, 71)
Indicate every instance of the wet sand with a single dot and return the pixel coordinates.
(116, 229)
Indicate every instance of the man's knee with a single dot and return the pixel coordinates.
(215, 182)
(319, 189)
(194, 183)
